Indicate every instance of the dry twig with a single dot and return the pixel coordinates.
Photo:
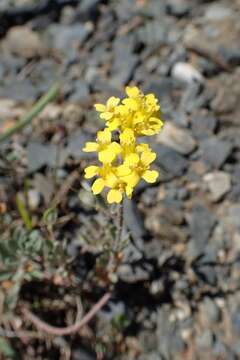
(52, 330)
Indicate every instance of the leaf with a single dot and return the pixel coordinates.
(50, 216)
(24, 213)
(6, 349)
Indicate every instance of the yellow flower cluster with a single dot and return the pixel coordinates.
(124, 162)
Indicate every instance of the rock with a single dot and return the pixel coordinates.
(210, 312)
(19, 90)
(236, 323)
(39, 155)
(170, 160)
(218, 183)
(154, 33)
(176, 138)
(215, 151)
(205, 340)
(134, 223)
(65, 37)
(87, 10)
(217, 12)
(201, 223)
(186, 73)
(233, 216)
(81, 93)
(203, 125)
(132, 274)
(178, 8)
(123, 69)
(170, 341)
(24, 42)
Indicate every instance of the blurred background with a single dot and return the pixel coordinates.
(176, 293)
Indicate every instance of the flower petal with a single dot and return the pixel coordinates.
(112, 102)
(91, 171)
(123, 170)
(131, 159)
(132, 180)
(106, 156)
(148, 157)
(104, 137)
(98, 186)
(113, 124)
(127, 137)
(100, 107)
(129, 191)
(91, 146)
(115, 147)
(132, 91)
(114, 196)
(106, 115)
(150, 176)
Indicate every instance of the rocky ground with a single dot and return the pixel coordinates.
(177, 293)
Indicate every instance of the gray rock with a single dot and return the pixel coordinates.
(19, 90)
(205, 340)
(170, 160)
(176, 138)
(201, 223)
(134, 223)
(123, 68)
(215, 151)
(236, 323)
(179, 8)
(64, 37)
(218, 183)
(39, 155)
(80, 93)
(203, 125)
(233, 216)
(170, 341)
(210, 312)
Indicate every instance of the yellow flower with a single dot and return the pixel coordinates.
(137, 111)
(110, 177)
(107, 111)
(107, 150)
(139, 167)
(124, 161)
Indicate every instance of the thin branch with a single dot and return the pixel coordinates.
(37, 108)
(52, 330)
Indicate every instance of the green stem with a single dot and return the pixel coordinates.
(37, 108)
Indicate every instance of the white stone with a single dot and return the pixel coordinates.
(218, 183)
(186, 73)
(179, 139)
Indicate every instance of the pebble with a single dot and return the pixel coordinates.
(218, 183)
(24, 42)
(215, 151)
(170, 160)
(186, 73)
(64, 37)
(210, 312)
(179, 139)
(205, 340)
(201, 223)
